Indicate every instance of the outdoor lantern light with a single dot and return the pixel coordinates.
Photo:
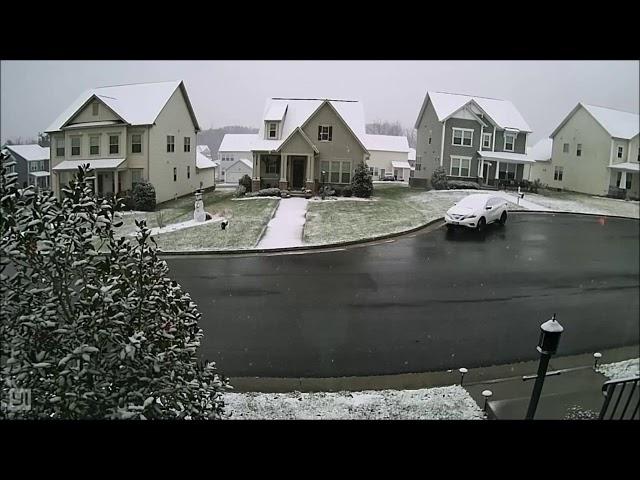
(596, 356)
(550, 332)
(462, 372)
(486, 394)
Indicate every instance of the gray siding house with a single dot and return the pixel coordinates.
(472, 138)
(31, 163)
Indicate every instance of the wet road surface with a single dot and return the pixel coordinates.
(431, 301)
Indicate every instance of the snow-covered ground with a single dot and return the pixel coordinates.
(346, 199)
(273, 197)
(285, 228)
(626, 368)
(180, 226)
(582, 203)
(442, 403)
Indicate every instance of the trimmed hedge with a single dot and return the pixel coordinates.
(144, 197)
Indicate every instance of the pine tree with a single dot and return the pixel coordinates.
(91, 322)
(362, 184)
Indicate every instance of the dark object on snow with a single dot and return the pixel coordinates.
(208, 216)
(223, 224)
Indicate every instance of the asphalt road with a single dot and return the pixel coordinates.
(426, 302)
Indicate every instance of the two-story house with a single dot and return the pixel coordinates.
(472, 138)
(595, 151)
(235, 151)
(31, 163)
(129, 134)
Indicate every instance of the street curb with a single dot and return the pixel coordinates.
(356, 242)
(302, 248)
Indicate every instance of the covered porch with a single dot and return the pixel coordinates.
(40, 180)
(624, 180)
(287, 171)
(503, 168)
(106, 176)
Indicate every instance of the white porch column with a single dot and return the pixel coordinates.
(309, 168)
(115, 182)
(95, 182)
(497, 169)
(623, 180)
(283, 166)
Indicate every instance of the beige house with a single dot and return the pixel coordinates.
(595, 151)
(206, 167)
(129, 134)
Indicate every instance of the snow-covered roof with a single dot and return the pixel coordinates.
(203, 158)
(396, 164)
(412, 153)
(102, 163)
(626, 166)
(617, 123)
(103, 123)
(541, 151)
(276, 111)
(299, 110)
(238, 142)
(243, 161)
(386, 143)
(502, 112)
(505, 156)
(135, 104)
(247, 162)
(39, 174)
(30, 152)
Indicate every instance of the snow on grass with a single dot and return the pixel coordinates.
(626, 368)
(443, 403)
(583, 203)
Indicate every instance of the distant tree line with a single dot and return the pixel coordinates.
(42, 140)
(380, 127)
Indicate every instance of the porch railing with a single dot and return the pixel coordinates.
(625, 407)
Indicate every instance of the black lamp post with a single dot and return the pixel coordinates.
(550, 332)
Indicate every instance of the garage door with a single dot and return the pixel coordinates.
(232, 176)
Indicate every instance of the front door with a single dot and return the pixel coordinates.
(297, 173)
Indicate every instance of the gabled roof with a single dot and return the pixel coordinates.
(30, 152)
(304, 137)
(203, 157)
(503, 113)
(135, 104)
(300, 110)
(617, 123)
(387, 143)
(238, 142)
(243, 161)
(541, 151)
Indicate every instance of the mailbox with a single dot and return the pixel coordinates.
(550, 332)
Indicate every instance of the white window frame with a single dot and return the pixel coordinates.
(79, 147)
(91, 137)
(117, 144)
(484, 137)
(274, 130)
(133, 135)
(171, 143)
(558, 173)
(620, 150)
(343, 171)
(187, 144)
(459, 168)
(324, 136)
(513, 143)
(60, 141)
(462, 136)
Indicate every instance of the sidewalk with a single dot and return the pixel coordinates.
(285, 228)
(523, 203)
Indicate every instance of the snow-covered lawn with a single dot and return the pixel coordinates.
(442, 403)
(247, 221)
(582, 203)
(626, 368)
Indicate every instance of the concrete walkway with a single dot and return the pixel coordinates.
(513, 198)
(285, 228)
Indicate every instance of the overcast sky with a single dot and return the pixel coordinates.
(33, 93)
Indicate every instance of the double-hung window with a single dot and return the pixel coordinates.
(565, 148)
(175, 174)
(114, 144)
(94, 144)
(463, 136)
(325, 133)
(557, 173)
(136, 143)
(460, 166)
(171, 143)
(345, 172)
(509, 141)
(59, 147)
(620, 152)
(75, 146)
(273, 130)
(418, 163)
(486, 140)
(187, 144)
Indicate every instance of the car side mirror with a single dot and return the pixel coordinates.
(489, 208)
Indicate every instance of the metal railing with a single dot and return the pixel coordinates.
(623, 402)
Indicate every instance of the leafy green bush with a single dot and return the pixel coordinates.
(265, 192)
(347, 191)
(337, 191)
(144, 197)
(439, 179)
(245, 181)
(94, 335)
(463, 184)
(362, 184)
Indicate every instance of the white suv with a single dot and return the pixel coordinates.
(477, 211)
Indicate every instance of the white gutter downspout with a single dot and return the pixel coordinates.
(493, 147)
(611, 153)
(444, 126)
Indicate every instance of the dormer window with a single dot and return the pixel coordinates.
(272, 130)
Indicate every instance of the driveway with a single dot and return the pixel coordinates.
(424, 302)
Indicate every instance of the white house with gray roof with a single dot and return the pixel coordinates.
(303, 142)
(129, 134)
(595, 151)
(472, 138)
(235, 147)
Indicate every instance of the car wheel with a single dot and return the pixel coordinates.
(481, 224)
(503, 218)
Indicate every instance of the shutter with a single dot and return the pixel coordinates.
(319, 131)
(330, 132)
